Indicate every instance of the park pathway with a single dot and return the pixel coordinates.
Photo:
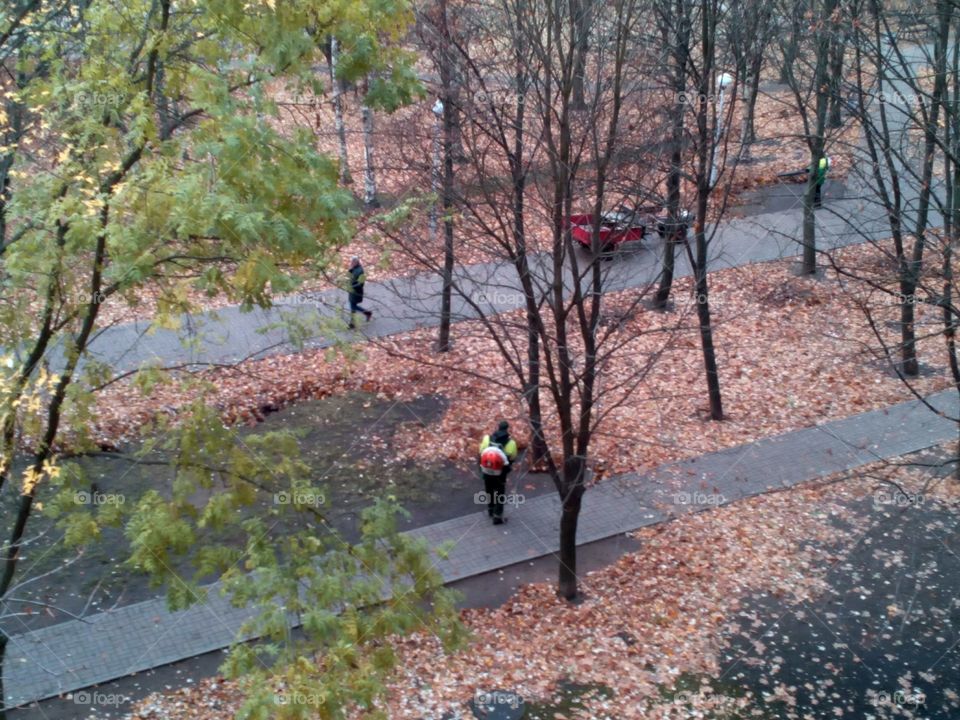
(229, 335)
(850, 215)
(79, 653)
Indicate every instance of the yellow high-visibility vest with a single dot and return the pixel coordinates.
(510, 448)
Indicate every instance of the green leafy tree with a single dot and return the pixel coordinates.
(140, 148)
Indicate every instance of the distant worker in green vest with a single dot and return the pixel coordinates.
(497, 451)
(822, 168)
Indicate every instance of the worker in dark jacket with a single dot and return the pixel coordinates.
(355, 291)
(497, 451)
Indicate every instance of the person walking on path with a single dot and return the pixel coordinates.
(497, 451)
(355, 291)
(822, 168)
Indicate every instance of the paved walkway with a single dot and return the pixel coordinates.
(229, 335)
(401, 305)
(110, 645)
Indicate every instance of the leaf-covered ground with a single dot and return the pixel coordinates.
(348, 442)
(792, 352)
(402, 151)
(832, 599)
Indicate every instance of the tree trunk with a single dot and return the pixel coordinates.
(449, 123)
(681, 51)
(887, 178)
(568, 582)
(531, 390)
(336, 88)
(582, 10)
(910, 278)
(706, 148)
(743, 75)
(951, 216)
(445, 309)
(3, 695)
(457, 150)
(10, 136)
(816, 143)
(748, 133)
(370, 199)
(790, 51)
(952, 222)
(703, 314)
(909, 365)
(837, 48)
(809, 263)
(662, 295)
(14, 543)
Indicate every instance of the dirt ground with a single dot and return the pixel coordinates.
(350, 441)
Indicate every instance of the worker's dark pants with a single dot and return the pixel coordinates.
(354, 301)
(496, 488)
(816, 195)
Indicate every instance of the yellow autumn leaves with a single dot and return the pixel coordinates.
(15, 397)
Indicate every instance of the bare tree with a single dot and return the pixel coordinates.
(897, 106)
(674, 19)
(562, 340)
(807, 75)
(907, 100)
(709, 154)
(336, 100)
(370, 199)
(437, 39)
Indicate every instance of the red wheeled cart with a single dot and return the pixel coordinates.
(620, 226)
